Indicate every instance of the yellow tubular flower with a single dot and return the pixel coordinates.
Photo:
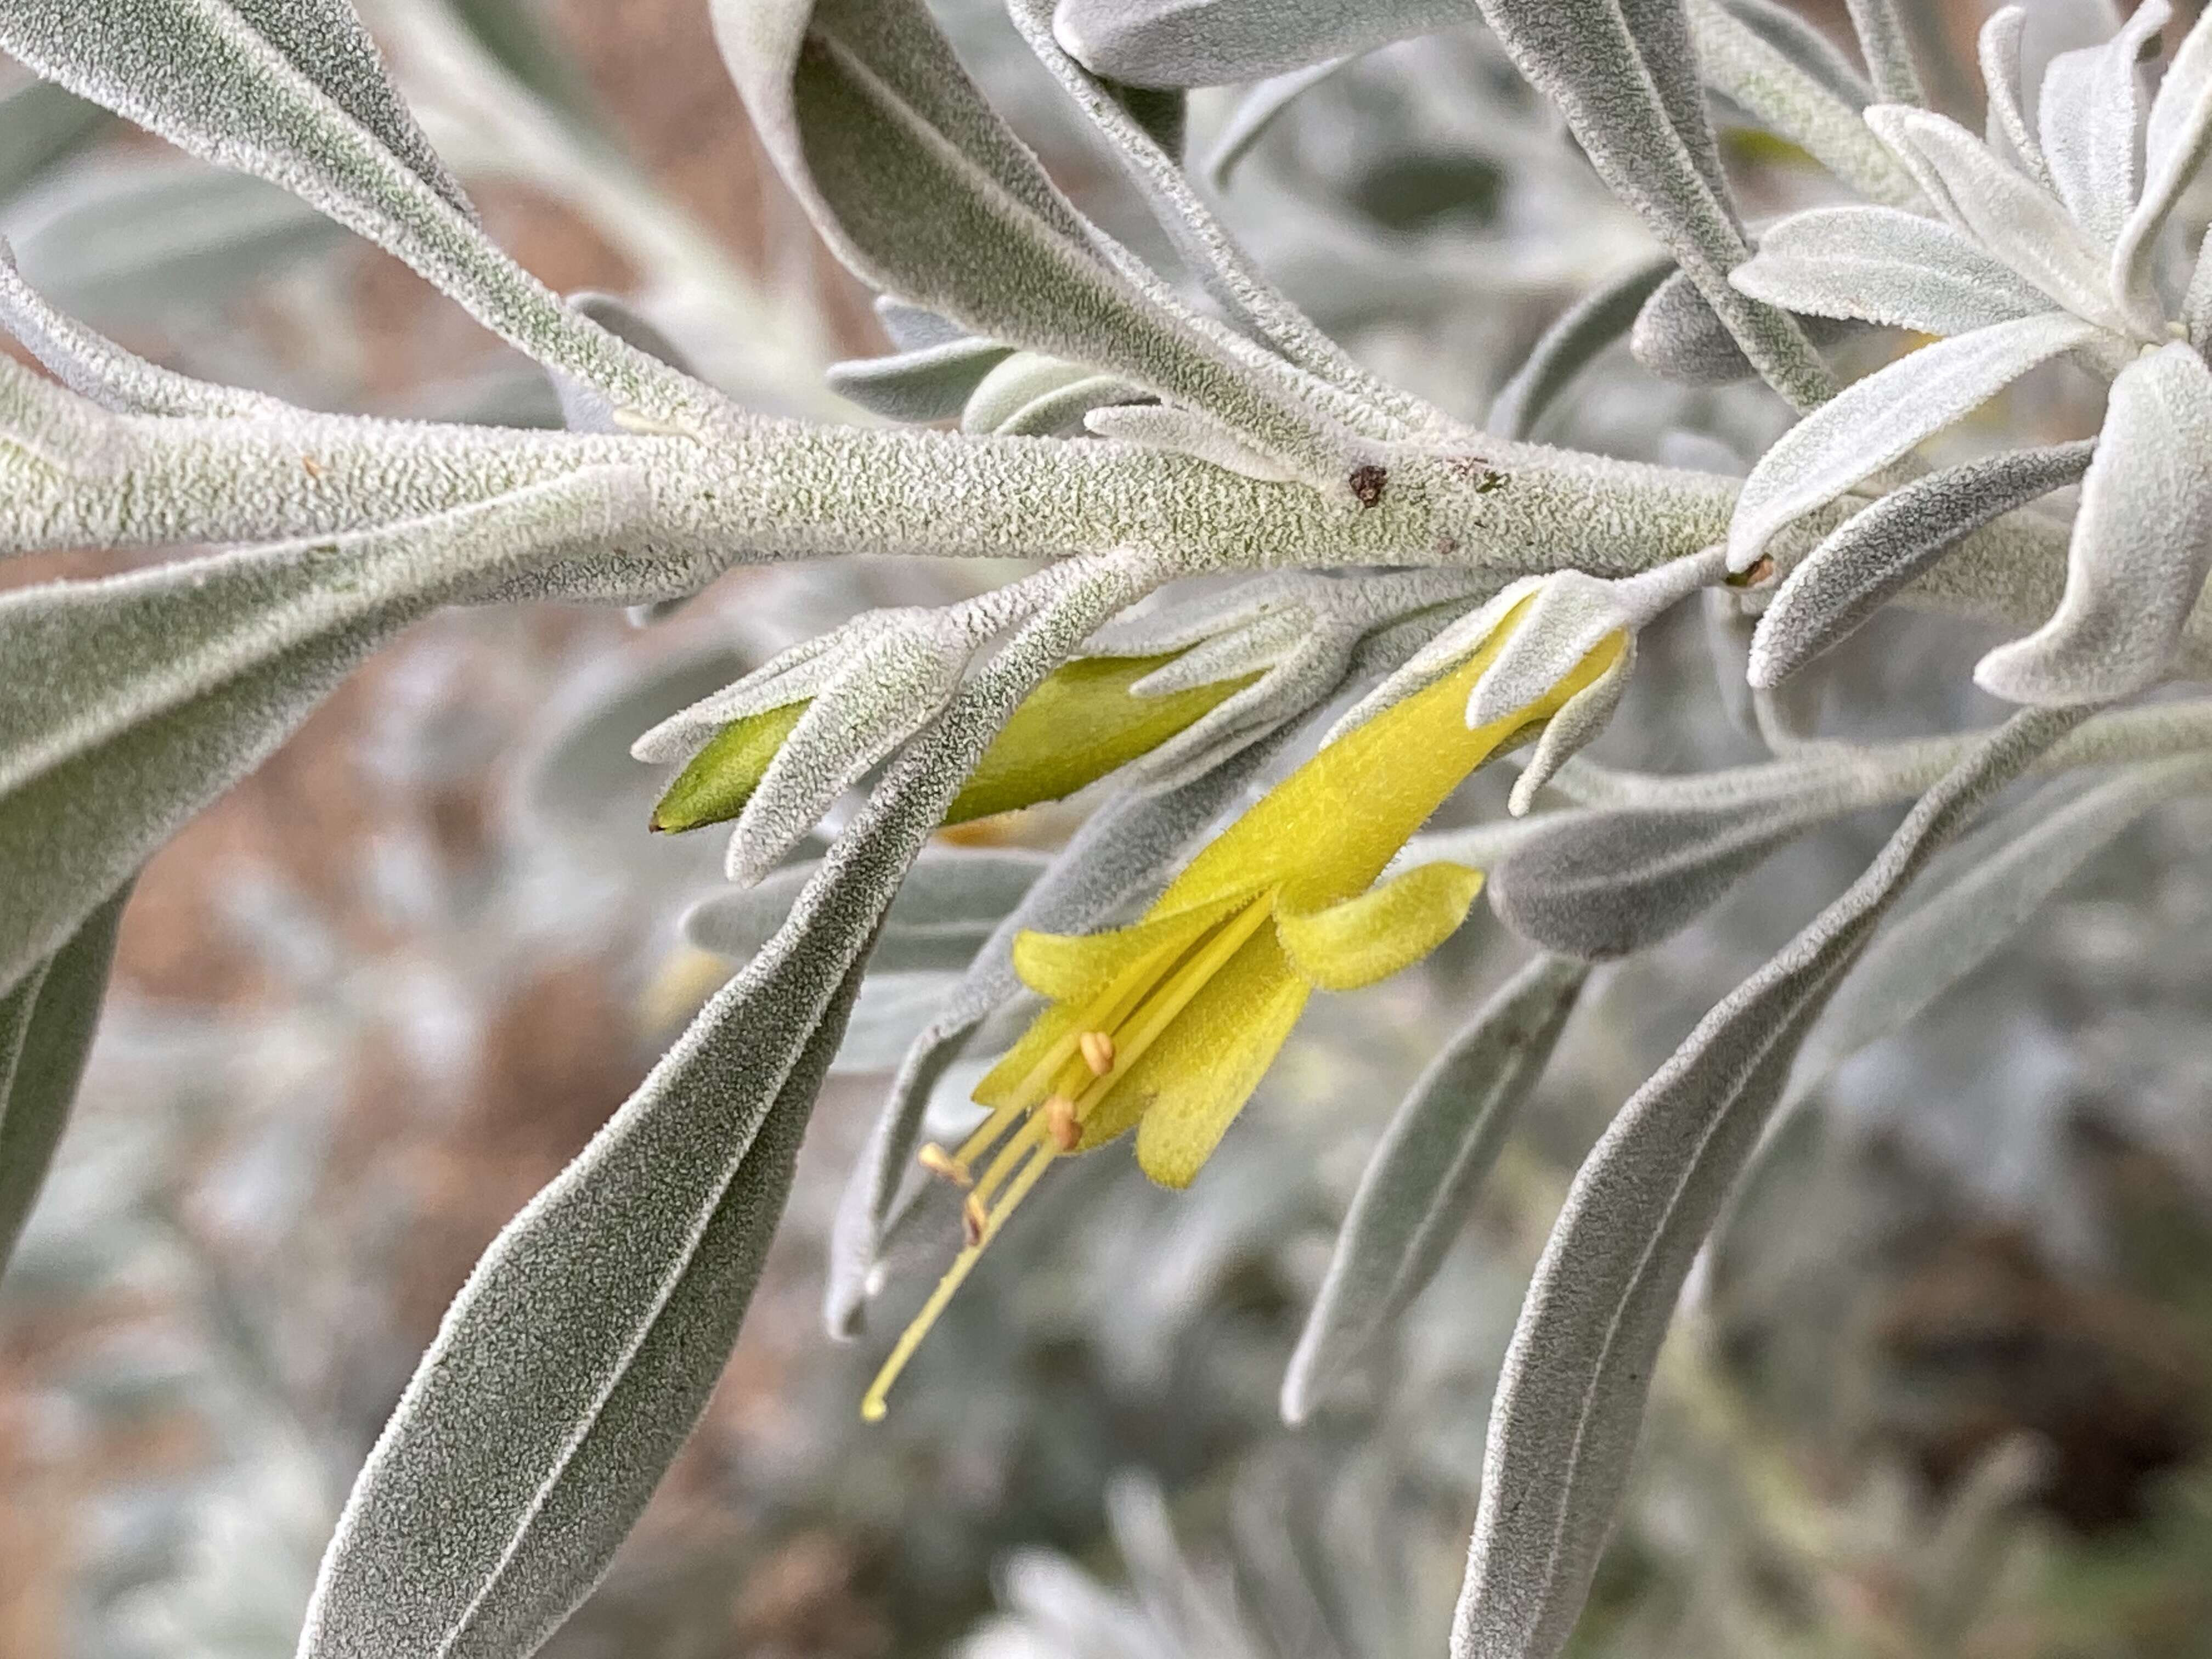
(1167, 1026)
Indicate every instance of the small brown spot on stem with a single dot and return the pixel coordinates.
(1367, 483)
(311, 466)
(1760, 570)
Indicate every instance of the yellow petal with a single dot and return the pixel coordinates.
(1357, 941)
(1190, 1085)
(721, 777)
(1078, 726)
(1075, 967)
(1334, 823)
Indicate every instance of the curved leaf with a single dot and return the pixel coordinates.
(46, 1024)
(131, 703)
(1414, 1197)
(1563, 1426)
(1876, 554)
(573, 1362)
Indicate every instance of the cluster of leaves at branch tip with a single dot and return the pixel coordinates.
(1083, 724)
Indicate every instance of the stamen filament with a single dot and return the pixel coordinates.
(873, 1403)
(987, 1133)
(1159, 1011)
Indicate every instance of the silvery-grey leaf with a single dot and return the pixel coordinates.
(2010, 135)
(887, 692)
(1570, 345)
(512, 33)
(894, 1007)
(923, 191)
(1123, 850)
(1196, 1619)
(1887, 48)
(1679, 337)
(294, 93)
(1182, 432)
(130, 703)
(2032, 852)
(1207, 248)
(1757, 70)
(951, 901)
(2175, 142)
(2142, 544)
(2088, 121)
(46, 125)
(585, 408)
(1575, 727)
(142, 241)
(97, 368)
(1883, 417)
(922, 383)
(2017, 220)
(1871, 557)
(579, 779)
(1626, 78)
(514, 1462)
(913, 328)
(46, 1022)
(1599, 884)
(1563, 1426)
(1014, 384)
(125, 45)
(1066, 412)
(1812, 53)
(1570, 616)
(1413, 1199)
(1213, 43)
(1256, 112)
(1884, 266)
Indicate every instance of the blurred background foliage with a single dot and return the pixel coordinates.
(1946, 1386)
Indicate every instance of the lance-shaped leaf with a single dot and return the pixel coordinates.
(1888, 49)
(1414, 1198)
(575, 1360)
(922, 191)
(1570, 345)
(1564, 1426)
(930, 382)
(1801, 44)
(46, 125)
(1787, 76)
(2012, 216)
(1122, 852)
(2010, 137)
(146, 243)
(2089, 118)
(2032, 852)
(1213, 43)
(46, 1024)
(1256, 112)
(2142, 544)
(293, 91)
(95, 367)
(130, 703)
(1601, 882)
(1884, 417)
(1874, 554)
(2175, 142)
(1624, 75)
(1214, 256)
(1883, 266)
(952, 901)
